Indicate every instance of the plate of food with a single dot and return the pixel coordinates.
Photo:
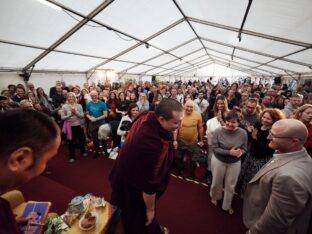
(88, 221)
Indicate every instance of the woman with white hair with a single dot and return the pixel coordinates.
(72, 114)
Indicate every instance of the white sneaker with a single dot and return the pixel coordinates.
(71, 160)
(113, 155)
(115, 149)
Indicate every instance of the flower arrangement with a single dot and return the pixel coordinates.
(53, 225)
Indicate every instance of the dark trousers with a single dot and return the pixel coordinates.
(94, 129)
(193, 150)
(77, 137)
(133, 211)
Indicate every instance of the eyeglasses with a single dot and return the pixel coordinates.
(274, 136)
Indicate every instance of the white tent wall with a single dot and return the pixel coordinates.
(44, 80)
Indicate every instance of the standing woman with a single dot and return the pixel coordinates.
(259, 153)
(72, 114)
(220, 109)
(85, 98)
(142, 103)
(229, 143)
(122, 106)
(133, 98)
(111, 105)
(156, 100)
(122, 131)
(304, 114)
(44, 100)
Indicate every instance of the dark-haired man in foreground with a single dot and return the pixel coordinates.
(28, 140)
(141, 173)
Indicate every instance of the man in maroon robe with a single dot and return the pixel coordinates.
(141, 173)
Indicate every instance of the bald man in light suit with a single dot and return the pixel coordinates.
(279, 198)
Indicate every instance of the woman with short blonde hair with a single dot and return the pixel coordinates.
(72, 114)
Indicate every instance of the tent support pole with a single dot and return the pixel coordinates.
(251, 33)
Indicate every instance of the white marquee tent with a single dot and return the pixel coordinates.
(163, 38)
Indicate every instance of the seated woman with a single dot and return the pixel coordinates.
(229, 143)
(122, 131)
(72, 114)
(143, 103)
(44, 101)
(259, 153)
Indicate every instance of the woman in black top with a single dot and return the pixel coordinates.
(259, 153)
(122, 106)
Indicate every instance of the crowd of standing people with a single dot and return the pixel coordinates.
(243, 124)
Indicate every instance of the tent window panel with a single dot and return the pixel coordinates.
(304, 56)
(140, 18)
(161, 60)
(155, 71)
(264, 72)
(252, 56)
(33, 23)
(173, 64)
(216, 34)
(252, 64)
(216, 54)
(290, 66)
(222, 11)
(12, 56)
(188, 48)
(286, 15)
(117, 66)
(60, 62)
(194, 55)
(139, 69)
(96, 41)
(267, 46)
(140, 54)
(173, 37)
(215, 46)
(198, 60)
(273, 70)
(81, 6)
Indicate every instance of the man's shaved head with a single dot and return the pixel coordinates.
(292, 128)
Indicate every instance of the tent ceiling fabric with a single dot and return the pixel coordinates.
(163, 37)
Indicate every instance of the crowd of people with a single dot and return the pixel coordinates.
(244, 125)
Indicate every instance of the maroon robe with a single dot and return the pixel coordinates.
(142, 166)
(7, 218)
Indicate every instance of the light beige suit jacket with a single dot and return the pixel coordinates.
(279, 197)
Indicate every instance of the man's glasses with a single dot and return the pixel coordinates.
(274, 136)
